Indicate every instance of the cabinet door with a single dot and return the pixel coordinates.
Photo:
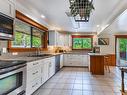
(44, 72)
(61, 61)
(52, 67)
(33, 86)
(7, 7)
(85, 60)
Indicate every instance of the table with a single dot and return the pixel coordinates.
(123, 70)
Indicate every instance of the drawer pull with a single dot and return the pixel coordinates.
(34, 85)
(35, 63)
(35, 73)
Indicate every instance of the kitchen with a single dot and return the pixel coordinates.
(50, 51)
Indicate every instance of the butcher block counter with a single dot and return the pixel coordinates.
(96, 64)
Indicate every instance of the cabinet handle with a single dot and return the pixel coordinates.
(35, 63)
(34, 85)
(10, 8)
(35, 73)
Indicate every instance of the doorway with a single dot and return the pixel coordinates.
(121, 51)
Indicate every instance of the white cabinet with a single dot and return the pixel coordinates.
(33, 80)
(75, 60)
(61, 60)
(44, 68)
(51, 67)
(85, 60)
(59, 39)
(38, 72)
(7, 7)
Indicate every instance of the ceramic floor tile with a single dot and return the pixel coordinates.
(98, 93)
(78, 81)
(55, 92)
(78, 87)
(68, 86)
(77, 92)
(87, 92)
(66, 92)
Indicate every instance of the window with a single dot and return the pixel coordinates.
(26, 36)
(37, 36)
(121, 49)
(82, 42)
(22, 35)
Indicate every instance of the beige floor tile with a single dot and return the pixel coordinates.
(78, 81)
(78, 87)
(77, 92)
(87, 92)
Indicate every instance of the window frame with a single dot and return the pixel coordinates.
(33, 23)
(83, 36)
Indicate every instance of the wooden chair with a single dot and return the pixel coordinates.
(107, 63)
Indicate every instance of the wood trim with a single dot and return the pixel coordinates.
(118, 36)
(82, 36)
(28, 20)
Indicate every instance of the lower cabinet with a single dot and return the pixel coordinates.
(61, 60)
(38, 72)
(75, 60)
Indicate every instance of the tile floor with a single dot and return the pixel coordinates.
(78, 81)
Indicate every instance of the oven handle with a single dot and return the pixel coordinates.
(6, 70)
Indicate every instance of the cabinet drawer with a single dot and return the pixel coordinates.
(33, 64)
(72, 63)
(33, 74)
(33, 86)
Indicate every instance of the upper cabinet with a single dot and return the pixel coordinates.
(8, 7)
(59, 39)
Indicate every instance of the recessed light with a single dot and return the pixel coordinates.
(42, 16)
(98, 25)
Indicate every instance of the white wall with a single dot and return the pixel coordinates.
(110, 49)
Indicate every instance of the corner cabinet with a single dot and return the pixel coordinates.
(59, 39)
(7, 7)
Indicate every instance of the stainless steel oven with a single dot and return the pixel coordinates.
(13, 80)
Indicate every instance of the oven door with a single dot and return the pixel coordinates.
(13, 82)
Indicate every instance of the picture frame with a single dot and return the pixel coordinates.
(103, 41)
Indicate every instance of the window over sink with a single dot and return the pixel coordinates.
(27, 36)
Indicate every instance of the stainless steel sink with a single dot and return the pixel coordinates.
(40, 55)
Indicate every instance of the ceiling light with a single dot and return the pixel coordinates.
(98, 25)
(42, 16)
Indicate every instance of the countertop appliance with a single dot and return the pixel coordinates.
(57, 63)
(12, 77)
(6, 27)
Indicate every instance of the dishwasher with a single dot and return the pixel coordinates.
(57, 63)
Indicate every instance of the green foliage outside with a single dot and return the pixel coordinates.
(87, 43)
(36, 41)
(21, 40)
(24, 40)
(123, 44)
(82, 43)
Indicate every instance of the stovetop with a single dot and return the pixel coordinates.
(10, 63)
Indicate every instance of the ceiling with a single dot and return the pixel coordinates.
(54, 11)
(119, 26)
